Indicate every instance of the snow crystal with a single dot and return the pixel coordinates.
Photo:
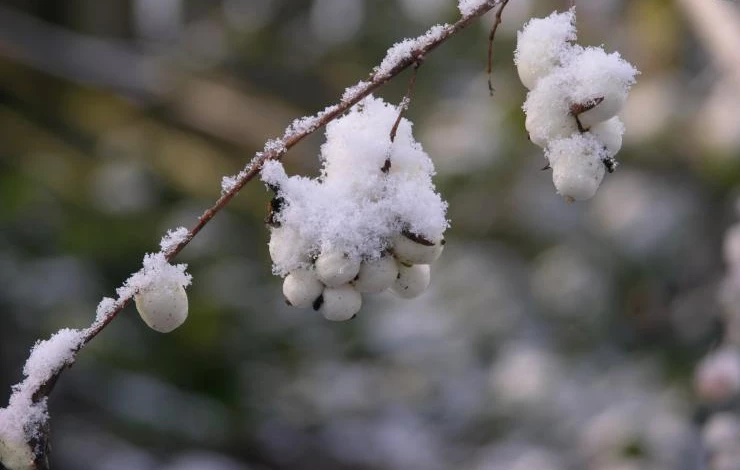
(355, 207)
(405, 49)
(173, 238)
(105, 308)
(467, 7)
(228, 183)
(21, 421)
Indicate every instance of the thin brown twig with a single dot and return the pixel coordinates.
(290, 138)
(491, 35)
(407, 98)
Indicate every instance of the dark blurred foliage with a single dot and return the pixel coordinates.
(118, 119)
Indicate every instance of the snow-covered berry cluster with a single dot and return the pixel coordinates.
(571, 108)
(372, 221)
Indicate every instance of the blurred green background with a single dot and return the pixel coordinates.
(544, 321)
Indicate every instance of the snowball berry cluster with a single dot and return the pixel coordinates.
(575, 95)
(372, 220)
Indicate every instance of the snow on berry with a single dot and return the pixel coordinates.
(158, 289)
(373, 196)
(577, 165)
(163, 306)
(542, 44)
(574, 91)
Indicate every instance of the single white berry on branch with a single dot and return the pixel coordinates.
(412, 281)
(339, 303)
(302, 287)
(163, 306)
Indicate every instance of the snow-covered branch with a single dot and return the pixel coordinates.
(24, 423)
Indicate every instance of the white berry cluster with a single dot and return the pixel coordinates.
(571, 108)
(372, 221)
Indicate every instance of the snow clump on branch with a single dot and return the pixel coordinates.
(372, 221)
(24, 421)
(575, 95)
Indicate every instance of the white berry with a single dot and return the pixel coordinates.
(540, 44)
(288, 250)
(609, 107)
(336, 268)
(163, 307)
(577, 166)
(376, 275)
(599, 76)
(301, 288)
(609, 133)
(548, 111)
(412, 281)
(413, 249)
(339, 303)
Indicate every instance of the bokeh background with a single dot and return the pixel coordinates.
(554, 335)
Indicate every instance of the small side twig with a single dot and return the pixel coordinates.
(407, 98)
(491, 36)
(405, 102)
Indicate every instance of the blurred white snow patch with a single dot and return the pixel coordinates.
(398, 439)
(643, 424)
(204, 460)
(122, 187)
(149, 402)
(721, 432)
(524, 376)
(651, 108)
(249, 16)
(645, 216)
(517, 456)
(717, 125)
(336, 21)
(424, 11)
(568, 284)
(717, 377)
(463, 133)
(158, 20)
